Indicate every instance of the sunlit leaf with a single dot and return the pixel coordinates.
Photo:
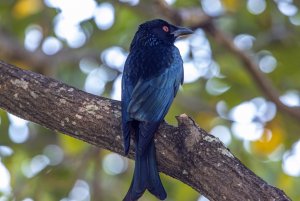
(231, 5)
(272, 138)
(71, 146)
(274, 33)
(24, 8)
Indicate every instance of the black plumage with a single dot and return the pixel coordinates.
(152, 75)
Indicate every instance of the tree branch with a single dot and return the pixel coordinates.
(186, 152)
(261, 81)
(197, 19)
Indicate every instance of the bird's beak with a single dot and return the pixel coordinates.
(180, 31)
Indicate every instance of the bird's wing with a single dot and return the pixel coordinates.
(150, 102)
(127, 89)
(152, 97)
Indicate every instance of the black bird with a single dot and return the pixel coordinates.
(152, 75)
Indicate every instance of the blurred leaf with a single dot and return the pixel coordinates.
(271, 139)
(231, 5)
(272, 31)
(24, 8)
(71, 146)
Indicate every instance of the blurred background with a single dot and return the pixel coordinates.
(84, 43)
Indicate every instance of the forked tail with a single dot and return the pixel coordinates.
(145, 176)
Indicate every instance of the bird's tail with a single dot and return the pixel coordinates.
(146, 176)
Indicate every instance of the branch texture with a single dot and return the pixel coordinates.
(186, 152)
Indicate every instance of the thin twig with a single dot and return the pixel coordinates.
(182, 16)
(260, 79)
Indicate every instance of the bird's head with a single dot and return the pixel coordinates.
(156, 32)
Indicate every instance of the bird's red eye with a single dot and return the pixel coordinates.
(165, 28)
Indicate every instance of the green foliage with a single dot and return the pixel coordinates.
(272, 30)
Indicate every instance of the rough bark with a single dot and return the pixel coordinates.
(187, 152)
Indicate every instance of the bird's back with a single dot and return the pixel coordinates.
(161, 65)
